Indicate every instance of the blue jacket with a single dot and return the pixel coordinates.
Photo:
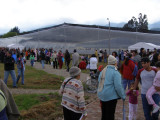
(112, 88)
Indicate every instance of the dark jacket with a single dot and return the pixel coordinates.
(42, 56)
(8, 63)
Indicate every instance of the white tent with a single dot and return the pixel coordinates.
(144, 45)
(16, 46)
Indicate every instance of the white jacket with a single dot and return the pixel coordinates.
(93, 63)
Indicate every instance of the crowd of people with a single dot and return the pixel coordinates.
(123, 72)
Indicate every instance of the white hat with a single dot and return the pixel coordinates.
(111, 60)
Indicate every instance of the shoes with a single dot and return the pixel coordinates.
(22, 84)
(15, 87)
(155, 109)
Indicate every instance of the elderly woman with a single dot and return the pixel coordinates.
(73, 96)
(110, 89)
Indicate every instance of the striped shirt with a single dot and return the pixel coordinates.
(73, 96)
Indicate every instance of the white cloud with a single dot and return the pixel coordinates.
(33, 13)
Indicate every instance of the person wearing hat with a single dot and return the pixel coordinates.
(9, 68)
(72, 92)
(110, 89)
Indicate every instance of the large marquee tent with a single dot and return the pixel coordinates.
(144, 45)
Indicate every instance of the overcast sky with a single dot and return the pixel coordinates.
(31, 14)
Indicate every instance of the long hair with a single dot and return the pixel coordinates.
(129, 55)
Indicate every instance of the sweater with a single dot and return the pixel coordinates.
(73, 96)
(133, 99)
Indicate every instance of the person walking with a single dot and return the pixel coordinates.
(110, 89)
(9, 69)
(146, 76)
(72, 92)
(32, 55)
(20, 67)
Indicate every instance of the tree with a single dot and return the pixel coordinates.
(15, 29)
(140, 25)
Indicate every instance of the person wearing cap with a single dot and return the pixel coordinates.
(146, 75)
(72, 92)
(110, 89)
(9, 68)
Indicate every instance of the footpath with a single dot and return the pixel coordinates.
(93, 108)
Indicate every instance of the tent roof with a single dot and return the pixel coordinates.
(140, 45)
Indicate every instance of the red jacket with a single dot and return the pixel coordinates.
(82, 65)
(127, 70)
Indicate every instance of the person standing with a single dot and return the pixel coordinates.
(42, 57)
(93, 63)
(59, 57)
(72, 92)
(133, 102)
(75, 58)
(105, 56)
(110, 89)
(67, 59)
(129, 71)
(9, 69)
(55, 59)
(32, 55)
(20, 66)
(146, 76)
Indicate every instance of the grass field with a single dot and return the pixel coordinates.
(39, 106)
(35, 79)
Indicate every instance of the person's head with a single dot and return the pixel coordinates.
(135, 52)
(93, 55)
(75, 72)
(158, 65)
(145, 63)
(9, 53)
(75, 50)
(128, 57)
(114, 54)
(112, 60)
(132, 86)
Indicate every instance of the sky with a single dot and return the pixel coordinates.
(33, 14)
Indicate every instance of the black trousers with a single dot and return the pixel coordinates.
(55, 64)
(70, 115)
(108, 109)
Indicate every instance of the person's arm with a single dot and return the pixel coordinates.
(118, 85)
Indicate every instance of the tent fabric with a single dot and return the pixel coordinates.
(21, 47)
(144, 45)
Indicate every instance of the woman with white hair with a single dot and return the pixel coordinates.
(110, 89)
(73, 96)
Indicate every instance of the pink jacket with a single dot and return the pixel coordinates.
(156, 81)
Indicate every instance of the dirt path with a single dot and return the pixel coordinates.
(93, 108)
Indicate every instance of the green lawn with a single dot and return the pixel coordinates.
(39, 106)
(35, 79)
